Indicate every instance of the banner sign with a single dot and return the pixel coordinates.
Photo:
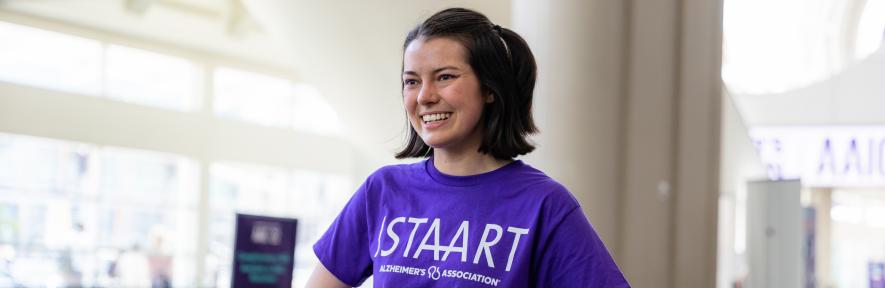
(264, 251)
(823, 156)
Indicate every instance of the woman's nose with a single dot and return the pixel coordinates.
(428, 94)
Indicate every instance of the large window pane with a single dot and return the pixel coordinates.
(312, 113)
(149, 78)
(272, 101)
(252, 97)
(73, 214)
(149, 179)
(49, 60)
(43, 167)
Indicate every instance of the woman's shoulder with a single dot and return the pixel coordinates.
(400, 168)
(541, 185)
(531, 176)
(397, 171)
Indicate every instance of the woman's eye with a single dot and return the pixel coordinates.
(446, 77)
(410, 82)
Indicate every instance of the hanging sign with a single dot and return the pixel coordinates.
(823, 156)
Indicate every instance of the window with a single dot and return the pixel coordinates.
(34, 58)
(130, 74)
(69, 212)
(92, 67)
(272, 101)
(252, 97)
(149, 78)
(312, 113)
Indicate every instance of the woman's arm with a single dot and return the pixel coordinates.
(322, 278)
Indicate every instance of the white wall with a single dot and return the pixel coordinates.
(740, 163)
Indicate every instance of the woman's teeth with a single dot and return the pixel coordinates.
(435, 117)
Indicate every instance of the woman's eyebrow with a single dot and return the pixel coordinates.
(437, 70)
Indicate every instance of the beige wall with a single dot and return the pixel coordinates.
(628, 102)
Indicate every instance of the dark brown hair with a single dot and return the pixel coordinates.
(505, 67)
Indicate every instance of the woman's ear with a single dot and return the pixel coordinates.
(490, 98)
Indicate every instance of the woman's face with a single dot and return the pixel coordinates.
(442, 95)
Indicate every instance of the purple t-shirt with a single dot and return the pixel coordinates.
(413, 226)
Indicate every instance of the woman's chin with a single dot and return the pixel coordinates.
(434, 142)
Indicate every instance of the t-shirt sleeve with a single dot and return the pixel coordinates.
(574, 256)
(344, 248)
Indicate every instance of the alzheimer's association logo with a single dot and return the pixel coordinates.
(433, 272)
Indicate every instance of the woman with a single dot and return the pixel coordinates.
(469, 215)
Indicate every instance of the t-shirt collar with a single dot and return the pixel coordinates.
(470, 180)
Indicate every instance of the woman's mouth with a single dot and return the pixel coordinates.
(435, 117)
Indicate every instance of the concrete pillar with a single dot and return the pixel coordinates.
(699, 93)
(578, 45)
(650, 143)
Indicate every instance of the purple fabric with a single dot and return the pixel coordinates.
(412, 226)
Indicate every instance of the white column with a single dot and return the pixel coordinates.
(578, 45)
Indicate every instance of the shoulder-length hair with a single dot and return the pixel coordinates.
(505, 67)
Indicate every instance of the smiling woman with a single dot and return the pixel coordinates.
(467, 89)
(442, 95)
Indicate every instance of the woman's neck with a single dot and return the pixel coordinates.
(465, 164)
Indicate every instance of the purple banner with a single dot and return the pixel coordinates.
(264, 251)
